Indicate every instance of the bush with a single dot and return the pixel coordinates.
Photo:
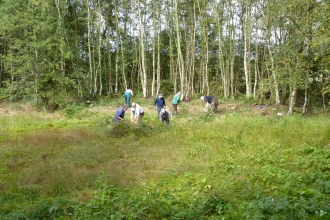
(73, 108)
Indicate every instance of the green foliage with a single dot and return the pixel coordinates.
(207, 115)
(236, 141)
(73, 109)
(265, 167)
(126, 128)
(167, 89)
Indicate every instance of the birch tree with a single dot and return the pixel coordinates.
(142, 50)
(247, 47)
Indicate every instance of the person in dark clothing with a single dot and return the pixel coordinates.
(120, 114)
(165, 115)
(211, 102)
(159, 103)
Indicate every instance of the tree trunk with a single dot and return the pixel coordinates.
(89, 51)
(99, 65)
(247, 48)
(142, 53)
(180, 61)
(292, 100)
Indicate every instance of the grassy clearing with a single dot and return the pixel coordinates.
(234, 165)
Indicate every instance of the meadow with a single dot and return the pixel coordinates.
(243, 162)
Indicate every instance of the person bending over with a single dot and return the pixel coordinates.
(211, 102)
(164, 116)
(137, 113)
(120, 114)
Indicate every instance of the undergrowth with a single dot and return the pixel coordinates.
(203, 166)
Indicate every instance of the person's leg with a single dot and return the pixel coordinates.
(140, 117)
(126, 95)
(125, 98)
(158, 110)
(175, 109)
(128, 100)
(214, 103)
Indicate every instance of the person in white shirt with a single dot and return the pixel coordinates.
(137, 113)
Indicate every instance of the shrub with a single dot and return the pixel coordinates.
(73, 108)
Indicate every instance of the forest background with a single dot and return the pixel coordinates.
(246, 161)
(53, 51)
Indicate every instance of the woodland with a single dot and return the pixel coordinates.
(53, 52)
(263, 154)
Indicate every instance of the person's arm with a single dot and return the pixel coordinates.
(121, 115)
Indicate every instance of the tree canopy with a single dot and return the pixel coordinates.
(50, 50)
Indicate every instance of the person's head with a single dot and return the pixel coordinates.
(163, 110)
(133, 104)
(202, 97)
(125, 107)
(160, 95)
(179, 93)
(133, 109)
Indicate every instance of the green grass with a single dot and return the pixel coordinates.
(233, 165)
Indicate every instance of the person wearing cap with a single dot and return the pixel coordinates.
(211, 102)
(175, 102)
(127, 94)
(165, 115)
(120, 113)
(159, 103)
(137, 113)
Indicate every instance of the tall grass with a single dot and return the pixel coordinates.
(203, 166)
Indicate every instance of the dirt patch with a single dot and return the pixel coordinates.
(15, 108)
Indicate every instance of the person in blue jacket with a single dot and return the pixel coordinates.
(120, 114)
(159, 103)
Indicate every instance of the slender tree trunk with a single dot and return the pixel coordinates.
(110, 68)
(178, 39)
(158, 63)
(123, 70)
(232, 51)
(292, 100)
(256, 58)
(99, 65)
(275, 83)
(89, 50)
(142, 54)
(247, 48)
(153, 61)
(304, 109)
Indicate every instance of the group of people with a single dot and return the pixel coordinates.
(164, 115)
